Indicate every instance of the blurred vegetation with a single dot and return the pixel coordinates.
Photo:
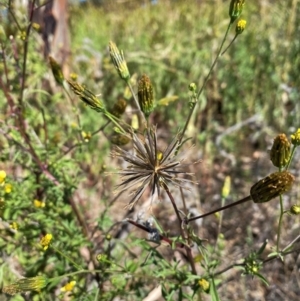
(56, 151)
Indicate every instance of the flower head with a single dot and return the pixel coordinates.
(119, 107)
(26, 284)
(204, 284)
(119, 61)
(150, 167)
(296, 138)
(38, 204)
(2, 176)
(14, 226)
(240, 26)
(7, 188)
(68, 287)
(45, 241)
(280, 151)
(295, 210)
(271, 186)
(145, 95)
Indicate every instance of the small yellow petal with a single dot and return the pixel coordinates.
(8, 188)
(2, 176)
(68, 287)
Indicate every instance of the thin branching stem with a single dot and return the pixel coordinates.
(204, 83)
(247, 198)
(279, 223)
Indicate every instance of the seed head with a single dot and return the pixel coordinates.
(87, 96)
(240, 26)
(296, 138)
(119, 61)
(235, 9)
(271, 186)
(280, 151)
(145, 95)
(150, 167)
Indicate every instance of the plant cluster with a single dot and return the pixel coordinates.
(49, 245)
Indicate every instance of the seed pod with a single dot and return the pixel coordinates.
(280, 151)
(145, 95)
(271, 186)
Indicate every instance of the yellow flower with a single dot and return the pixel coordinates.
(296, 138)
(8, 188)
(204, 284)
(14, 226)
(68, 287)
(86, 136)
(45, 241)
(38, 204)
(73, 76)
(226, 187)
(2, 176)
(240, 26)
(295, 210)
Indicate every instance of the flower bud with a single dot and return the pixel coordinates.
(119, 107)
(235, 9)
(296, 138)
(280, 151)
(119, 139)
(295, 210)
(240, 26)
(56, 70)
(271, 186)
(119, 61)
(145, 95)
(87, 96)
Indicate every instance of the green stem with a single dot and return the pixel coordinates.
(247, 198)
(136, 102)
(67, 257)
(279, 224)
(205, 82)
(229, 44)
(291, 157)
